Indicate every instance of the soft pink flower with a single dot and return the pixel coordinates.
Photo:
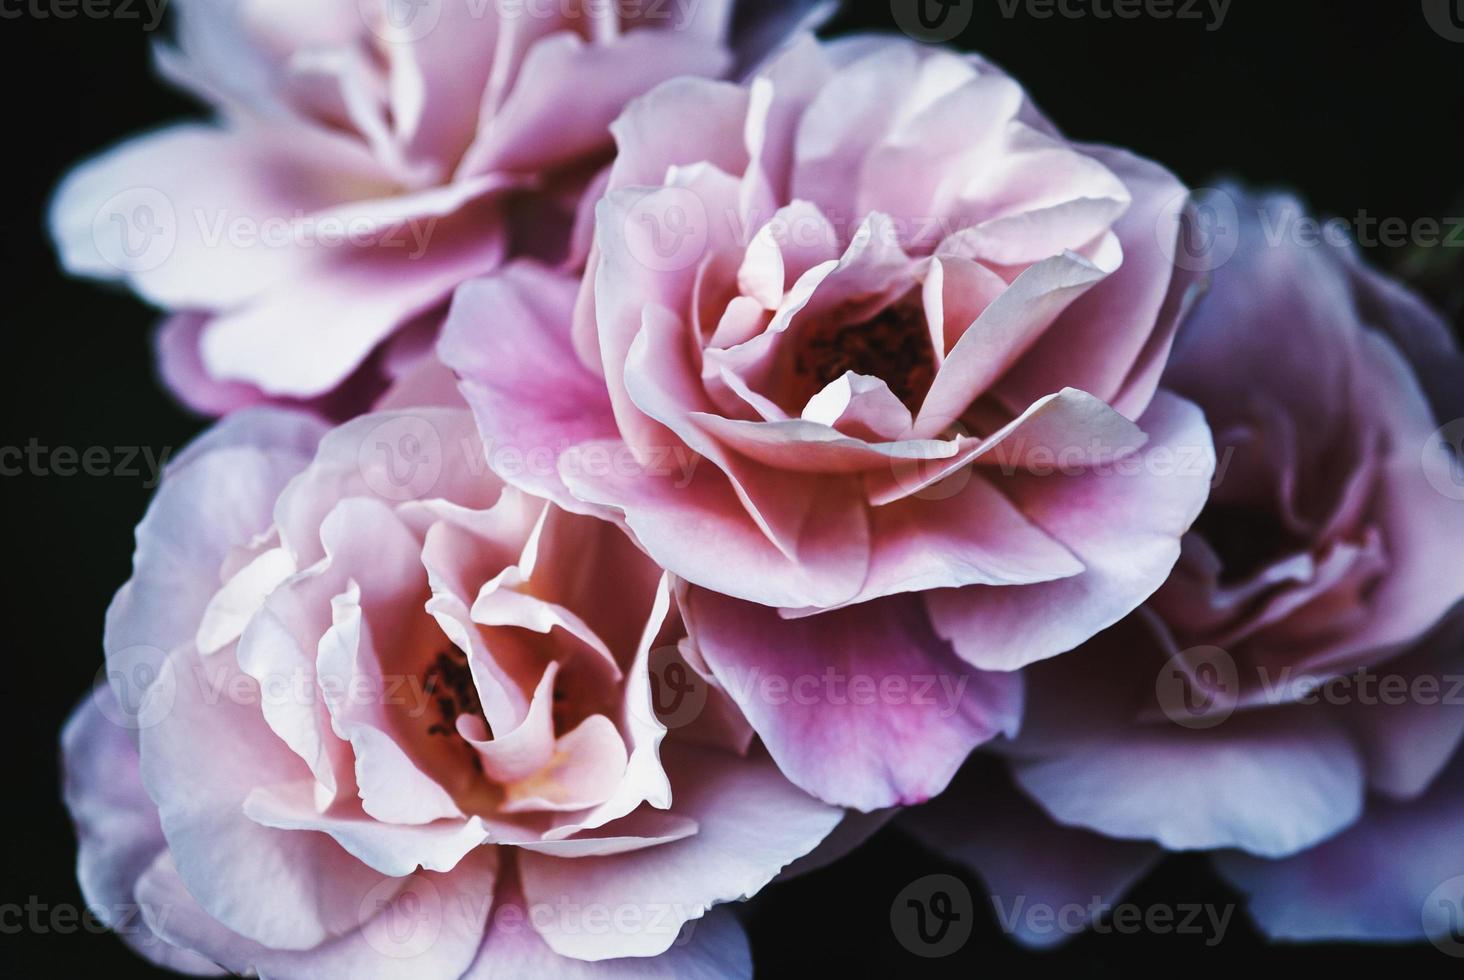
(1288, 699)
(368, 156)
(373, 714)
(902, 327)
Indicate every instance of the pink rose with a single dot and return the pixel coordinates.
(373, 714)
(873, 334)
(1288, 699)
(369, 156)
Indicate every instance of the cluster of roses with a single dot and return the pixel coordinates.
(703, 440)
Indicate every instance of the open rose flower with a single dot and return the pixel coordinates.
(1291, 697)
(374, 715)
(912, 336)
(369, 156)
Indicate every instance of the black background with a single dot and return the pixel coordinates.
(1357, 105)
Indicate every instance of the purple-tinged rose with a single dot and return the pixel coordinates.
(1293, 698)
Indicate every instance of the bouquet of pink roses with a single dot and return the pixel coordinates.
(657, 446)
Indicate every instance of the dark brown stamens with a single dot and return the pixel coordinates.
(449, 682)
(894, 346)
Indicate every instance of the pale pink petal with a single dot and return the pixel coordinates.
(1123, 522)
(117, 829)
(1120, 322)
(752, 824)
(1394, 877)
(278, 650)
(569, 91)
(343, 302)
(393, 849)
(391, 765)
(662, 383)
(456, 561)
(812, 447)
(419, 379)
(645, 778)
(158, 211)
(1270, 783)
(708, 127)
(438, 79)
(1035, 196)
(200, 762)
(1067, 431)
(693, 524)
(588, 764)
(569, 554)
(242, 596)
(1001, 334)
(517, 753)
(955, 293)
(181, 368)
(864, 707)
(921, 167)
(432, 924)
(391, 457)
(795, 239)
(650, 242)
(859, 406)
(974, 537)
(780, 93)
(852, 104)
(644, 827)
(216, 499)
(712, 948)
(502, 604)
(539, 402)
